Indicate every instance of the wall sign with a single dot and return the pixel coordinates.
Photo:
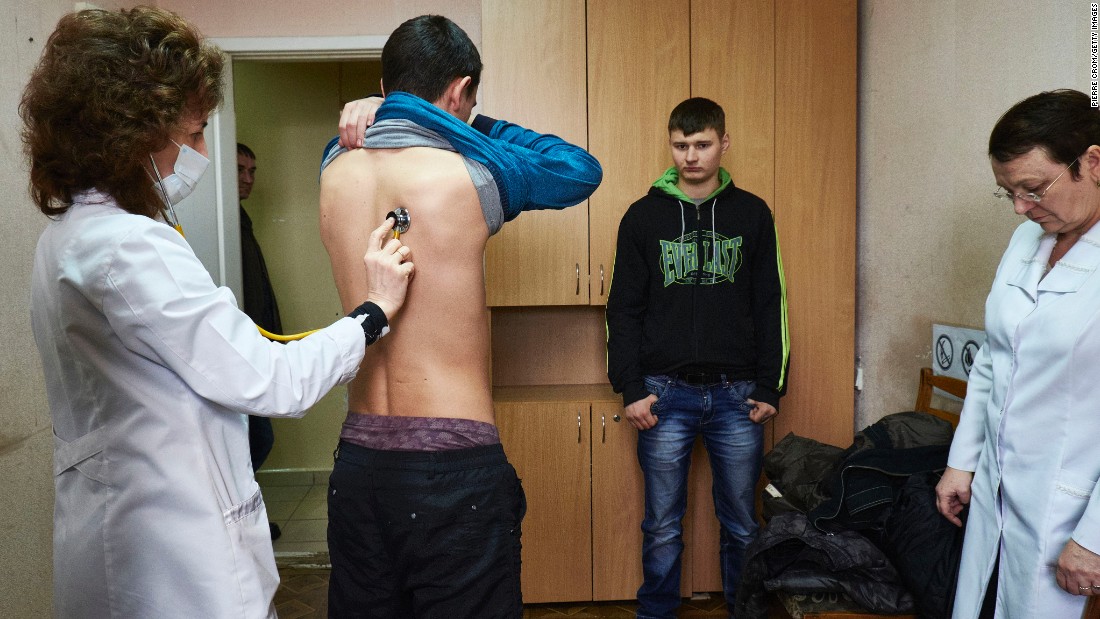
(954, 349)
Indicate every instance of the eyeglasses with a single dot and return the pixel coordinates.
(1003, 194)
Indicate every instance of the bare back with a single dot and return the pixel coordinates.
(435, 362)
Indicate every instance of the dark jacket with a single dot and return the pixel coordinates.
(872, 470)
(698, 289)
(791, 555)
(258, 298)
(882, 490)
(924, 547)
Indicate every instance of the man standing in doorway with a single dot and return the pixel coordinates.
(697, 345)
(424, 508)
(258, 302)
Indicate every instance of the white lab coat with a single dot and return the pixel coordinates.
(150, 369)
(1030, 427)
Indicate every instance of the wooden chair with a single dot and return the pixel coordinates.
(951, 385)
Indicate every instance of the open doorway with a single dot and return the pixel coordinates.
(286, 111)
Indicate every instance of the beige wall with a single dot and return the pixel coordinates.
(286, 112)
(934, 77)
(26, 486)
(218, 18)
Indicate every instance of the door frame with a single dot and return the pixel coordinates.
(213, 224)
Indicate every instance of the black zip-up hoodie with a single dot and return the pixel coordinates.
(698, 289)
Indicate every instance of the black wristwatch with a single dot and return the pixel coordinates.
(372, 319)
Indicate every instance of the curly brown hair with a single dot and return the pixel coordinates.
(110, 88)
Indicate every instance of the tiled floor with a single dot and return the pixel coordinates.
(296, 501)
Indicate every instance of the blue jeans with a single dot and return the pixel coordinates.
(735, 444)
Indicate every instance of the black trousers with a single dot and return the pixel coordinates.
(261, 438)
(424, 535)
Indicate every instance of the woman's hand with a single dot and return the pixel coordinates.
(952, 493)
(388, 269)
(355, 118)
(1078, 570)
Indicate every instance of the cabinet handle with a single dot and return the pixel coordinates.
(578, 427)
(578, 279)
(601, 280)
(603, 425)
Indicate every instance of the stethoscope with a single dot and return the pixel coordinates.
(402, 221)
(400, 216)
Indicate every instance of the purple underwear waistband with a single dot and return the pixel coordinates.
(396, 433)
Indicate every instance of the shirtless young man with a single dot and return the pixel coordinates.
(424, 509)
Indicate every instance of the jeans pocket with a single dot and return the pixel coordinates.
(658, 386)
(738, 392)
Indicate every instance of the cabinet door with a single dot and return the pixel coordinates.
(534, 75)
(638, 70)
(738, 74)
(815, 210)
(617, 505)
(548, 443)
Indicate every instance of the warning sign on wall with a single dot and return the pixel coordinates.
(954, 349)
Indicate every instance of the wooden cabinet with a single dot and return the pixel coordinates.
(605, 74)
(577, 458)
(582, 534)
(534, 75)
(638, 70)
(815, 134)
(548, 444)
(784, 70)
(617, 505)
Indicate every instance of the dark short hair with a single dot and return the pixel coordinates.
(1061, 122)
(109, 89)
(246, 151)
(425, 54)
(697, 114)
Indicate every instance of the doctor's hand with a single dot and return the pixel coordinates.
(1078, 570)
(640, 414)
(952, 493)
(355, 118)
(761, 411)
(388, 269)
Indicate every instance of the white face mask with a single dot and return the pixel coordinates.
(188, 169)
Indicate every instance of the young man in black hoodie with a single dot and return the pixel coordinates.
(697, 345)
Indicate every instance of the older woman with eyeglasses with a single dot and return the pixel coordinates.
(1026, 456)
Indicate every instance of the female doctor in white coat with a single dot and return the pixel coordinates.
(1026, 456)
(150, 368)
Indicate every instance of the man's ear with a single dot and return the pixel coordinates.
(382, 87)
(725, 141)
(454, 94)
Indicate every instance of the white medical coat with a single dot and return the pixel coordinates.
(150, 369)
(1030, 428)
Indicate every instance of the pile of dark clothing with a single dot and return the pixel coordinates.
(861, 521)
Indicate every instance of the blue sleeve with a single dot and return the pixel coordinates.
(558, 174)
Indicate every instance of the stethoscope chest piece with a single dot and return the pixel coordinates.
(402, 219)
